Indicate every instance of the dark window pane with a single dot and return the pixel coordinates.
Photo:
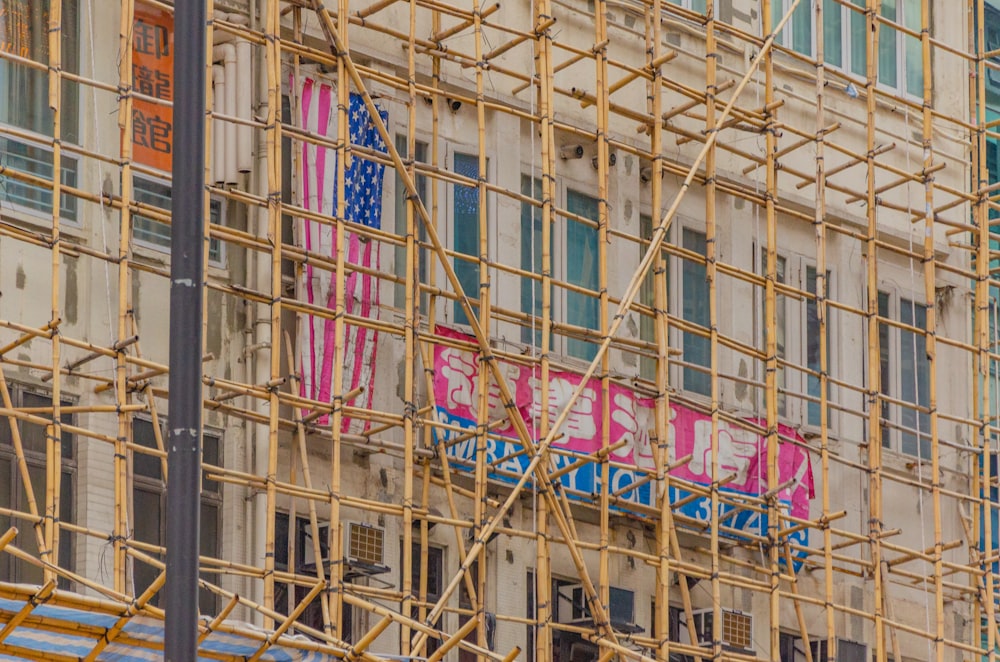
(33, 435)
(146, 505)
(582, 258)
(210, 455)
(696, 349)
(144, 464)
(465, 226)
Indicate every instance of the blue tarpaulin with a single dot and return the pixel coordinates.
(59, 632)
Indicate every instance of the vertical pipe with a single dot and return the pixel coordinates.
(186, 275)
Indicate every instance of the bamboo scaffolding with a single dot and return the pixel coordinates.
(738, 123)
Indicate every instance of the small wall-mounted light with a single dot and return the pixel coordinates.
(612, 160)
(571, 152)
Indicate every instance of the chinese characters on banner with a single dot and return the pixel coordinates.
(153, 76)
(742, 453)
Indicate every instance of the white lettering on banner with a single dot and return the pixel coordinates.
(580, 421)
(458, 368)
(636, 421)
(737, 451)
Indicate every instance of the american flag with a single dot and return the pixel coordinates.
(363, 205)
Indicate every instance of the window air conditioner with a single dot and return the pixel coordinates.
(366, 549)
(737, 628)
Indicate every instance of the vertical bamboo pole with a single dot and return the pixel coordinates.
(872, 313)
(343, 152)
(546, 86)
(711, 238)
(603, 156)
(272, 59)
(930, 302)
(120, 466)
(480, 514)
(771, 348)
(822, 313)
(981, 487)
(661, 630)
(412, 300)
(53, 446)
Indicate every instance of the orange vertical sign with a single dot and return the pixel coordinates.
(153, 76)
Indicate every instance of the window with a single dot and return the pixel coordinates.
(13, 494)
(905, 376)
(531, 259)
(465, 224)
(149, 504)
(154, 234)
(899, 56)
(562, 608)
(435, 581)
(798, 340)
(695, 348)
(579, 267)
(693, 5)
(300, 542)
(647, 297)
(419, 155)
(24, 103)
(582, 310)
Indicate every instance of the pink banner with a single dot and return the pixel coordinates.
(742, 452)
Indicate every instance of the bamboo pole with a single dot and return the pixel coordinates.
(875, 385)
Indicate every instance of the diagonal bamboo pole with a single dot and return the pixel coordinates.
(597, 608)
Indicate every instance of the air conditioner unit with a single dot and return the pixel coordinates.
(737, 628)
(365, 549)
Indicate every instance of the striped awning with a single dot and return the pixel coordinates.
(51, 632)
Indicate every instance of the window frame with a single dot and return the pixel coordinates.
(453, 307)
(10, 567)
(33, 138)
(562, 298)
(425, 185)
(680, 373)
(795, 410)
(894, 434)
(845, 29)
(218, 260)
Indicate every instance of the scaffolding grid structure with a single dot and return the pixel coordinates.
(740, 149)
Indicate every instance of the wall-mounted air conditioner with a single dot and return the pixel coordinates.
(365, 550)
(737, 628)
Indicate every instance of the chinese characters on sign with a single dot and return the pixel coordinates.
(153, 76)
(742, 453)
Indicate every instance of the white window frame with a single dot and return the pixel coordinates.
(892, 437)
(786, 39)
(675, 302)
(219, 262)
(41, 142)
(448, 308)
(689, 5)
(559, 252)
(796, 411)
(399, 224)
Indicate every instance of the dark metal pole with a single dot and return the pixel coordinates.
(186, 275)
